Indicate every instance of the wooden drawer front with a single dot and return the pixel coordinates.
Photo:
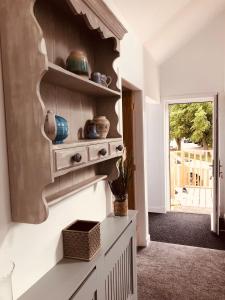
(116, 148)
(68, 158)
(95, 151)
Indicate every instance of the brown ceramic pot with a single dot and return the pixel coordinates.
(102, 126)
(121, 208)
(77, 63)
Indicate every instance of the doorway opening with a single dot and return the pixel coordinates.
(188, 220)
(132, 107)
(128, 138)
(191, 157)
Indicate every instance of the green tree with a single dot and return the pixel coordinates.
(192, 121)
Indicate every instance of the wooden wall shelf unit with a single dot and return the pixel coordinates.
(37, 36)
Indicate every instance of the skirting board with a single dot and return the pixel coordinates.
(157, 209)
(144, 243)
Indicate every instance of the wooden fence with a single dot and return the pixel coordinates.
(190, 169)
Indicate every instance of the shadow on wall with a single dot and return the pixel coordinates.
(5, 211)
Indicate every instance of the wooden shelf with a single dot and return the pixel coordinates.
(85, 143)
(59, 196)
(62, 77)
(43, 84)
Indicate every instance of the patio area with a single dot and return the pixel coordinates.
(191, 181)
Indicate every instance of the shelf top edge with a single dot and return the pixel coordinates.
(54, 199)
(55, 68)
(84, 143)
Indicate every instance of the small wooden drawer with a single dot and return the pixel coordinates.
(67, 158)
(116, 148)
(98, 151)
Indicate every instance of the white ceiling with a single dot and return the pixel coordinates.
(165, 25)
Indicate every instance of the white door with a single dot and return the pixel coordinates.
(216, 170)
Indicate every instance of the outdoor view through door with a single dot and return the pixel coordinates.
(191, 157)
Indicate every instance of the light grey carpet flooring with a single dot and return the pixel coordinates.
(174, 272)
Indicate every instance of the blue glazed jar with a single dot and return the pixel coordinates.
(61, 130)
(77, 63)
(90, 130)
(56, 128)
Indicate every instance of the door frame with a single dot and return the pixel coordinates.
(177, 100)
(140, 178)
(128, 121)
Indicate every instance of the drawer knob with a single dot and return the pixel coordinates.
(103, 152)
(77, 157)
(119, 148)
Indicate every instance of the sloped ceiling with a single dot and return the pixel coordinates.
(165, 25)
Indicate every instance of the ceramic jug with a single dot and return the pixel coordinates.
(106, 80)
(56, 128)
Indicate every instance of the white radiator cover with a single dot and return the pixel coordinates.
(119, 280)
(111, 275)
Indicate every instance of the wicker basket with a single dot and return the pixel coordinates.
(81, 240)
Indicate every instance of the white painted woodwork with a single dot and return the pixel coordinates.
(110, 275)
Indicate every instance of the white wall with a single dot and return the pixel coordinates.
(153, 126)
(139, 70)
(156, 177)
(37, 248)
(198, 68)
(151, 77)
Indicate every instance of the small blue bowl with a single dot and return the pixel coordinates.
(62, 130)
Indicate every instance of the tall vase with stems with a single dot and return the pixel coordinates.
(6, 270)
(119, 186)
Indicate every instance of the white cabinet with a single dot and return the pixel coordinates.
(111, 275)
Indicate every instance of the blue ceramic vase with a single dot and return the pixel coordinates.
(62, 130)
(56, 128)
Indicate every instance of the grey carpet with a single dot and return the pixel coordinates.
(176, 272)
(184, 229)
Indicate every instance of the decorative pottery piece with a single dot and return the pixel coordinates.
(6, 271)
(96, 77)
(101, 78)
(102, 126)
(56, 128)
(90, 130)
(121, 207)
(77, 63)
(106, 80)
